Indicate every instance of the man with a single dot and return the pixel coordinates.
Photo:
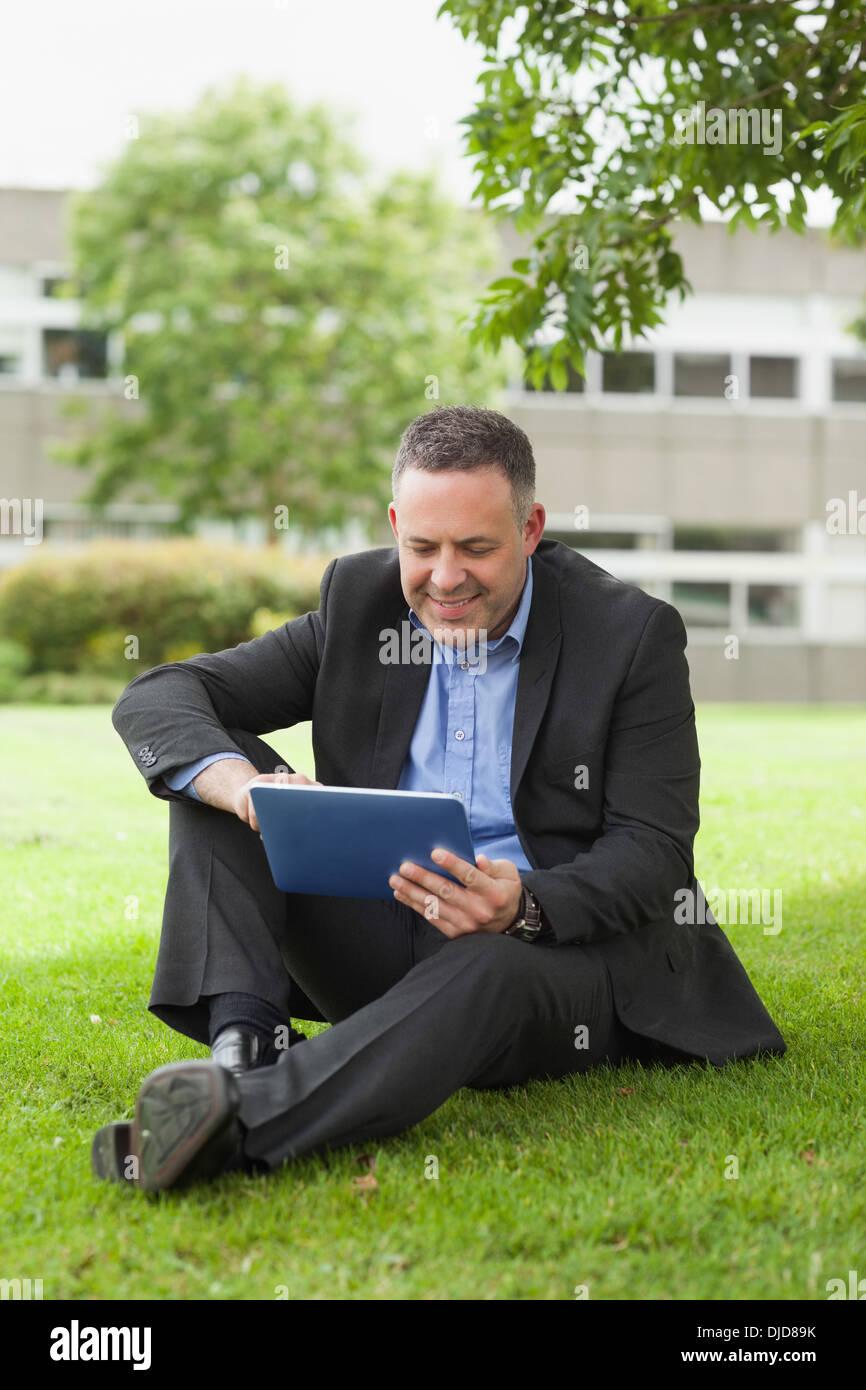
(573, 748)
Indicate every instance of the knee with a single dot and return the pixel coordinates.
(498, 960)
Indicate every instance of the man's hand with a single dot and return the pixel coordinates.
(243, 803)
(226, 785)
(488, 900)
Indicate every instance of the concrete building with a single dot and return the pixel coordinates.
(719, 459)
(719, 463)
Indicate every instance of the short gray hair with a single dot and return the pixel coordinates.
(466, 437)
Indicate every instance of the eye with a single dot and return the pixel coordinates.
(426, 550)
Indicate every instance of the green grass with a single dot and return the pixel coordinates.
(614, 1180)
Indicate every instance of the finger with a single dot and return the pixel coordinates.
(413, 875)
(468, 874)
(448, 925)
(424, 902)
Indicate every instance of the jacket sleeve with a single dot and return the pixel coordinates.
(628, 877)
(181, 712)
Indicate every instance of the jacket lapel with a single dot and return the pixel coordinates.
(402, 698)
(538, 658)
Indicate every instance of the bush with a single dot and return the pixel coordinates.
(118, 608)
(14, 660)
(61, 688)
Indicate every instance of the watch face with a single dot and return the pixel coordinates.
(523, 931)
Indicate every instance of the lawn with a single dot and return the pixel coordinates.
(614, 1181)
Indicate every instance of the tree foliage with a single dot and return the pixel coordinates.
(587, 134)
(282, 316)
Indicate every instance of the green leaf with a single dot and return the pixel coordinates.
(507, 282)
(559, 375)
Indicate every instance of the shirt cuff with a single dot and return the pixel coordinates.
(181, 780)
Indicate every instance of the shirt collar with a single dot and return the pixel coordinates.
(517, 628)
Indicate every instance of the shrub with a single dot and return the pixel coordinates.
(82, 612)
(14, 660)
(63, 688)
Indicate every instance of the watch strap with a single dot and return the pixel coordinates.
(529, 924)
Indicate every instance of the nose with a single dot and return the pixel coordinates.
(448, 577)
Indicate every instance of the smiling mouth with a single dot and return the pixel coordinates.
(452, 603)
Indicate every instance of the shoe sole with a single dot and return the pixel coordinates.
(181, 1112)
(181, 1109)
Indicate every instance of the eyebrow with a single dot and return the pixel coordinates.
(469, 540)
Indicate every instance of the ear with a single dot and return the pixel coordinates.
(534, 528)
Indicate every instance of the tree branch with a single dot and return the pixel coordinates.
(690, 13)
(644, 228)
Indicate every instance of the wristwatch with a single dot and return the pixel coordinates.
(528, 925)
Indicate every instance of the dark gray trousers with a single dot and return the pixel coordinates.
(415, 1014)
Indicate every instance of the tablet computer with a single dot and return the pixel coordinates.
(346, 842)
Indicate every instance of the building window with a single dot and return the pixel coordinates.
(733, 538)
(52, 286)
(9, 364)
(774, 605)
(849, 379)
(773, 377)
(594, 540)
(702, 604)
(700, 373)
(71, 354)
(628, 371)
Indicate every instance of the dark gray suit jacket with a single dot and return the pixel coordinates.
(603, 684)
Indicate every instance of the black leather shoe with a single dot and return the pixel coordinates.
(186, 1129)
(111, 1155)
(239, 1049)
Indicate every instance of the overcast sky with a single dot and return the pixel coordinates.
(73, 71)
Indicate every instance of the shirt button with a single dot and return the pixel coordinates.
(459, 734)
(464, 666)
(458, 796)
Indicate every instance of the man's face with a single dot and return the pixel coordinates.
(462, 558)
